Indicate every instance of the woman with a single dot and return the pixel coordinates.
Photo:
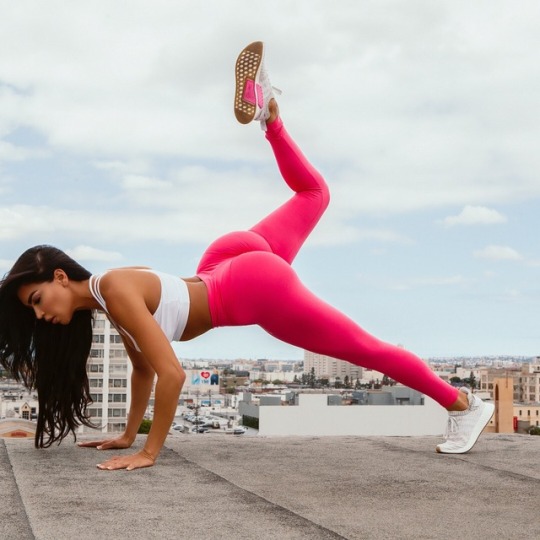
(243, 278)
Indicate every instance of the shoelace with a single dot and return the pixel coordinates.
(451, 427)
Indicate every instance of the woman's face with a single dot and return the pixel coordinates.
(50, 300)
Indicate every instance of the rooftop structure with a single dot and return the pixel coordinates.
(221, 487)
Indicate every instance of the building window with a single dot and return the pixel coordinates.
(96, 383)
(117, 383)
(96, 368)
(117, 398)
(120, 368)
(116, 426)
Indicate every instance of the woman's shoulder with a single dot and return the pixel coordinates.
(122, 279)
(129, 283)
(127, 268)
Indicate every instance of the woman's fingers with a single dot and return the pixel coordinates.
(130, 462)
(106, 444)
(90, 444)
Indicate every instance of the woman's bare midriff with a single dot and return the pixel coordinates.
(199, 319)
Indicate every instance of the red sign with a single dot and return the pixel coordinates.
(19, 434)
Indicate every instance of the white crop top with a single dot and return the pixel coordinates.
(172, 311)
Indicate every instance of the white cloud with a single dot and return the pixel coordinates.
(445, 280)
(136, 166)
(87, 253)
(139, 182)
(335, 229)
(475, 215)
(18, 220)
(407, 108)
(426, 125)
(435, 281)
(498, 253)
(5, 265)
(11, 152)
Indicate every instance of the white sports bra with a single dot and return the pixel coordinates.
(172, 311)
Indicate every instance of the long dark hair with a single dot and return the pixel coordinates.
(50, 358)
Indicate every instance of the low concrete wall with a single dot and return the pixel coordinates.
(314, 417)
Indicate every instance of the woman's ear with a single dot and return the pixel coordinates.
(61, 277)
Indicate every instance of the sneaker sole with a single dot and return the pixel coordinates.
(487, 413)
(247, 67)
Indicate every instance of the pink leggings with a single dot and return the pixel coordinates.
(250, 281)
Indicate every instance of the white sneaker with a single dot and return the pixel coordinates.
(253, 89)
(464, 427)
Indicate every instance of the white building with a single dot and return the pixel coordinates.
(284, 376)
(24, 407)
(331, 368)
(316, 416)
(109, 373)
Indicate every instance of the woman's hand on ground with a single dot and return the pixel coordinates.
(132, 461)
(108, 444)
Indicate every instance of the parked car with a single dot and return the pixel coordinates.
(179, 427)
(239, 430)
(199, 429)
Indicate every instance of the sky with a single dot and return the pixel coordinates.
(118, 144)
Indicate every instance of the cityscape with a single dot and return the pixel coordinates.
(240, 396)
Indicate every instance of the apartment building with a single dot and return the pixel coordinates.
(525, 381)
(109, 373)
(529, 382)
(331, 368)
(528, 414)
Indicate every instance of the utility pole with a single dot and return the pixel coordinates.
(197, 392)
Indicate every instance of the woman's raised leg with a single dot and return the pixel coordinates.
(287, 228)
(284, 230)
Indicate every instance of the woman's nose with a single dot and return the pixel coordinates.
(39, 313)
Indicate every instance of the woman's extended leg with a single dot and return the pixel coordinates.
(260, 288)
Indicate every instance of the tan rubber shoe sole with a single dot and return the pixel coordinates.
(247, 67)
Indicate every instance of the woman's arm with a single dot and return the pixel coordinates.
(142, 379)
(127, 306)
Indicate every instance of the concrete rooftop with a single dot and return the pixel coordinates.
(216, 486)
